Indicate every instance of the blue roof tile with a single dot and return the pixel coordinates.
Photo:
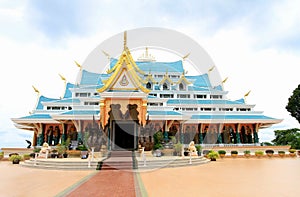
(200, 80)
(230, 117)
(194, 101)
(67, 101)
(155, 66)
(81, 112)
(37, 116)
(162, 113)
(68, 93)
(161, 66)
(44, 99)
(89, 78)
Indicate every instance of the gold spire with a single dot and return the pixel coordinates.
(211, 69)
(78, 65)
(247, 93)
(225, 80)
(106, 54)
(125, 40)
(36, 90)
(62, 77)
(186, 56)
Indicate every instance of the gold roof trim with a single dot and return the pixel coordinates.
(183, 79)
(166, 78)
(129, 65)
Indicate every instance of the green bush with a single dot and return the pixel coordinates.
(36, 150)
(213, 155)
(158, 146)
(15, 157)
(247, 152)
(292, 150)
(1, 155)
(269, 151)
(281, 152)
(198, 148)
(178, 147)
(234, 152)
(26, 156)
(222, 152)
(259, 152)
(82, 147)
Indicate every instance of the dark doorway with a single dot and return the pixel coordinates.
(124, 135)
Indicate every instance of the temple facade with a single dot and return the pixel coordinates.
(124, 107)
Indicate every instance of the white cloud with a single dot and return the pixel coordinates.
(247, 46)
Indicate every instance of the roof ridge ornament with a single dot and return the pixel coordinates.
(146, 57)
(78, 65)
(125, 40)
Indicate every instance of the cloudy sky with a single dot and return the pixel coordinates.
(254, 43)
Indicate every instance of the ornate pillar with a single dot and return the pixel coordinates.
(238, 139)
(200, 134)
(34, 140)
(181, 136)
(41, 133)
(255, 135)
(220, 141)
(102, 113)
(166, 130)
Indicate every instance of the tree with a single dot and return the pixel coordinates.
(288, 137)
(293, 105)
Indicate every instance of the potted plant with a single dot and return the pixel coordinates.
(281, 153)
(157, 147)
(269, 153)
(26, 156)
(15, 159)
(198, 147)
(247, 153)
(234, 153)
(292, 152)
(84, 151)
(259, 153)
(222, 153)
(53, 153)
(178, 148)
(61, 149)
(213, 155)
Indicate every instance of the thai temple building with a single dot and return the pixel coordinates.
(125, 106)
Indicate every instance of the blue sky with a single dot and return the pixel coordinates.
(255, 43)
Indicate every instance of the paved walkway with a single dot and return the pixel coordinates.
(228, 177)
(225, 177)
(107, 183)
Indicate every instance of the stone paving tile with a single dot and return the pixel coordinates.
(107, 183)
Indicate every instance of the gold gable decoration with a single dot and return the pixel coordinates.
(124, 62)
(166, 78)
(183, 79)
(149, 78)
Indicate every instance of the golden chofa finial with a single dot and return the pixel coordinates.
(125, 40)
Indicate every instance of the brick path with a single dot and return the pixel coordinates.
(107, 183)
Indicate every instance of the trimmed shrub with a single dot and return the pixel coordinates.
(269, 151)
(222, 152)
(281, 152)
(234, 152)
(247, 152)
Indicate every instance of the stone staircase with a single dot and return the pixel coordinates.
(115, 160)
(61, 164)
(170, 162)
(119, 160)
